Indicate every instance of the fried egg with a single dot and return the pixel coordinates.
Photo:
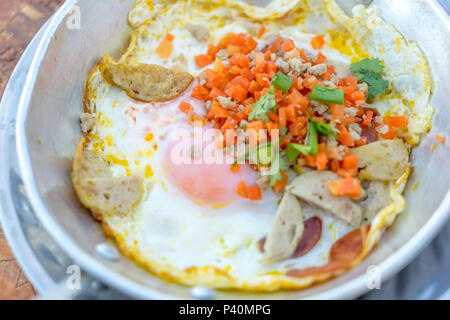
(191, 226)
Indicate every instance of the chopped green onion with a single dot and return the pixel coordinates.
(254, 151)
(277, 165)
(324, 129)
(326, 94)
(312, 139)
(282, 81)
(265, 155)
(294, 149)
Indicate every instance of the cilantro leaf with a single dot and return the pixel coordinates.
(375, 82)
(368, 71)
(265, 104)
(373, 65)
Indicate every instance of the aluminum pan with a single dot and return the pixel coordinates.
(45, 166)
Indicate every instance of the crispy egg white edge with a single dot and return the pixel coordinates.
(215, 277)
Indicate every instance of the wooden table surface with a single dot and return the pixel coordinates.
(19, 22)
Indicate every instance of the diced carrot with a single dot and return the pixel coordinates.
(333, 153)
(215, 93)
(230, 123)
(291, 113)
(200, 92)
(328, 75)
(281, 184)
(218, 65)
(246, 73)
(229, 137)
(242, 190)
(285, 142)
(212, 50)
(273, 116)
(320, 59)
(282, 117)
(243, 61)
(345, 137)
(272, 128)
(321, 160)
(348, 90)
(389, 134)
(296, 128)
(396, 121)
(361, 142)
(235, 70)
(217, 111)
(202, 60)
(260, 61)
(185, 107)
(350, 161)
(242, 82)
(310, 161)
(347, 173)
(367, 118)
(238, 93)
(303, 55)
(235, 168)
(334, 165)
(317, 42)
(351, 81)
(256, 125)
(440, 139)
(250, 44)
(262, 30)
(165, 48)
(358, 96)
(288, 45)
(310, 81)
(271, 68)
(275, 46)
(254, 193)
(345, 187)
(195, 119)
(337, 109)
(232, 49)
(295, 97)
(262, 78)
(254, 86)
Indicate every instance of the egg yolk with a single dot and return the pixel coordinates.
(210, 183)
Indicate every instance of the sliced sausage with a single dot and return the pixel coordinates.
(378, 197)
(382, 160)
(98, 190)
(147, 82)
(286, 231)
(311, 187)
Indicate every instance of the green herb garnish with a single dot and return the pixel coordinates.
(326, 94)
(282, 81)
(368, 71)
(265, 104)
(277, 165)
(294, 149)
(324, 129)
(373, 65)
